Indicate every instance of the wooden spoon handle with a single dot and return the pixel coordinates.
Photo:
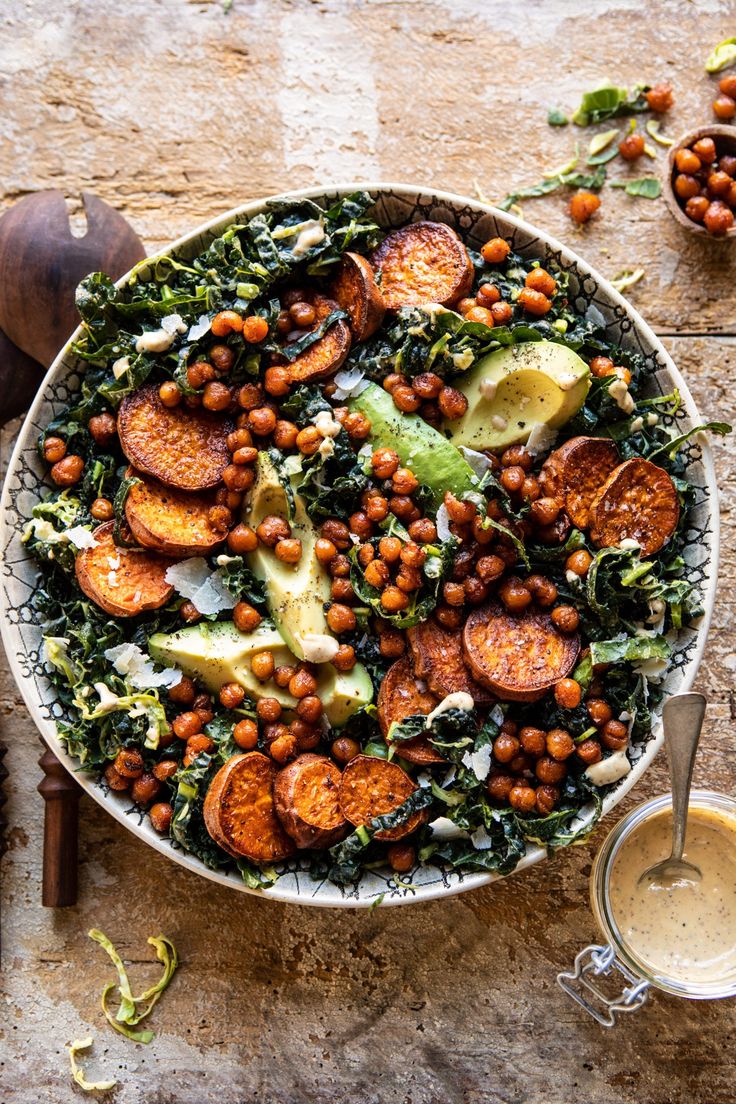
(61, 793)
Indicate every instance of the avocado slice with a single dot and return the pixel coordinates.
(517, 387)
(434, 460)
(296, 593)
(217, 652)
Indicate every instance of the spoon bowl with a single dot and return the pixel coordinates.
(671, 874)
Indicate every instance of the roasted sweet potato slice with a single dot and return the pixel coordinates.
(400, 696)
(356, 291)
(239, 810)
(425, 262)
(439, 660)
(122, 581)
(517, 656)
(371, 787)
(171, 522)
(574, 473)
(182, 448)
(326, 355)
(306, 797)
(637, 502)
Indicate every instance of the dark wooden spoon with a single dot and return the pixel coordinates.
(41, 263)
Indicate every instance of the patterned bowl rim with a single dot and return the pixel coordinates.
(325, 894)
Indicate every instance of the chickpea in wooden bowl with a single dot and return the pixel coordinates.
(700, 182)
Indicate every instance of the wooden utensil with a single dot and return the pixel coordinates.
(41, 263)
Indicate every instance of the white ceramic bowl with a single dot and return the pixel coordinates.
(395, 205)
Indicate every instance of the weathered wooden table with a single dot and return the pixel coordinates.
(173, 112)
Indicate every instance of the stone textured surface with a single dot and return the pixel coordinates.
(173, 111)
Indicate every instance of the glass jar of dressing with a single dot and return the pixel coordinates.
(681, 939)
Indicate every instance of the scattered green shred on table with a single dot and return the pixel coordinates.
(600, 141)
(722, 56)
(78, 1073)
(568, 167)
(551, 183)
(652, 129)
(627, 278)
(608, 101)
(646, 187)
(557, 117)
(129, 1014)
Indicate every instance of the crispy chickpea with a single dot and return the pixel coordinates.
(183, 692)
(250, 396)
(238, 478)
(427, 385)
(102, 509)
(499, 786)
(727, 85)
(160, 816)
(341, 590)
(579, 562)
(389, 549)
(452, 403)
(696, 207)
(599, 711)
(391, 643)
(67, 471)
(404, 481)
(545, 511)
(341, 618)
(344, 658)
(490, 568)
(324, 550)
(453, 594)
(288, 550)
(559, 743)
(376, 508)
(614, 735)
(103, 428)
(186, 725)
(408, 579)
(458, 511)
(505, 747)
(220, 518)
(659, 98)
(601, 366)
(583, 206)
(129, 763)
(385, 462)
(303, 314)
(686, 186)
(541, 280)
(423, 531)
(245, 455)
(245, 734)
(495, 251)
(718, 220)
(200, 373)
(450, 617)
(377, 574)
(262, 420)
(533, 741)
(568, 693)
(687, 161)
(514, 595)
(344, 749)
(547, 797)
(283, 674)
(565, 618)
(488, 294)
(356, 425)
(277, 381)
(225, 322)
(239, 439)
(479, 314)
(502, 313)
(285, 434)
(512, 479)
(269, 710)
(202, 706)
(522, 798)
(393, 599)
(231, 695)
(534, 302)
(54, 449)
(284, 748)
(465, 305)
(405, 399)
(401, 857)
(339, 566)
(412, 555)
(724, 107)
(302, 683)
(272, 530)
(402, 507)
(336, 531)
(196, 745)
(361, 525)
(549, 770)
(189, 613)
(242, 539)
(392, 380)
(307, 735)
(632, 147)
(222, 357)
(165, 769)
(262, 665)
(516, 456)
(255, 329)
(216, 396)
(309, 709)
(589, 752)
(115, 780)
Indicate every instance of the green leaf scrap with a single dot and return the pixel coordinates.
(723, 55)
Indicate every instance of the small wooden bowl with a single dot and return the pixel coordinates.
(725, 139)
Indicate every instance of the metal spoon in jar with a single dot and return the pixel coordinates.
(682, 717)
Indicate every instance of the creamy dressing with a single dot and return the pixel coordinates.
(687, 933)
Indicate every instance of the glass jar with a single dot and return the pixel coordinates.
(615, 959)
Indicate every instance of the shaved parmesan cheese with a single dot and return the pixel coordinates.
(121, 366)
(445, 829)
(81, 537)
(442, 522)
(131, 662)
(479, 762)
(173, 323)
(541, 439)
(480, 839)
(488, 389)
(158, 341)
(200, 328)
(112, 579)
(479, 462)
(327, 447)
(318, 647)
(205, 589)
(349, 383)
